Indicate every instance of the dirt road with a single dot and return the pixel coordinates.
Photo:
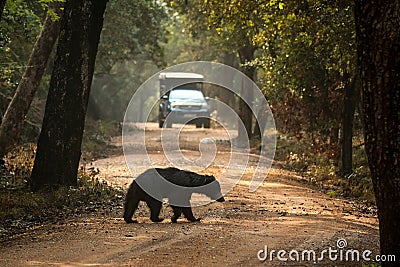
(283, 214)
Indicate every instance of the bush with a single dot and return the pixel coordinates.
(318, 164)
(20, 208)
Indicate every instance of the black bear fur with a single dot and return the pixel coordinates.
(176, 176)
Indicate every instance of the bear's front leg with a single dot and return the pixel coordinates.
(127, 220)
(131, 204)
(189, 214)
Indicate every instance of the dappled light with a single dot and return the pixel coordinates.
(199, 133)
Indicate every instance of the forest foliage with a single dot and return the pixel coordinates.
(304, 57)
(305, 61)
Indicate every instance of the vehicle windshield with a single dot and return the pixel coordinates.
(186, 94)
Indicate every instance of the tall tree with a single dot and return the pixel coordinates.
(309, 58)
(246, 55)
(378, 50)
(59, 145)
(17, 110)
(20, 27)
(349, 107)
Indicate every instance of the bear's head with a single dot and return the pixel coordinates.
(213, 191)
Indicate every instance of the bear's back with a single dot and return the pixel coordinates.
(184, 178)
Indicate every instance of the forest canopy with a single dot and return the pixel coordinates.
(301, 54)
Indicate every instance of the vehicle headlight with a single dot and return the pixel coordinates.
(173, 105)
(204, 106)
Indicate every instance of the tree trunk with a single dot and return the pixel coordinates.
(349, 107)
(15, 114)
(2, 5)
(258, 128)
(378, 50)
(246, 55)
(226, 95)
(59, 146)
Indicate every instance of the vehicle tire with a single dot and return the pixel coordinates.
(206, 123)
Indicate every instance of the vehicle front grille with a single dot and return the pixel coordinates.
(189, 107)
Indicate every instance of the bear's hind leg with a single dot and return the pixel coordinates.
(187, 211)
(177, 213)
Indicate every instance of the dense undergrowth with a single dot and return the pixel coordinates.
(319, 166)
(21, 208)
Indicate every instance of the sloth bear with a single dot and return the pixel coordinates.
(155, 184)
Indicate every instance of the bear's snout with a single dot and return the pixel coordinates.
(221, 199)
